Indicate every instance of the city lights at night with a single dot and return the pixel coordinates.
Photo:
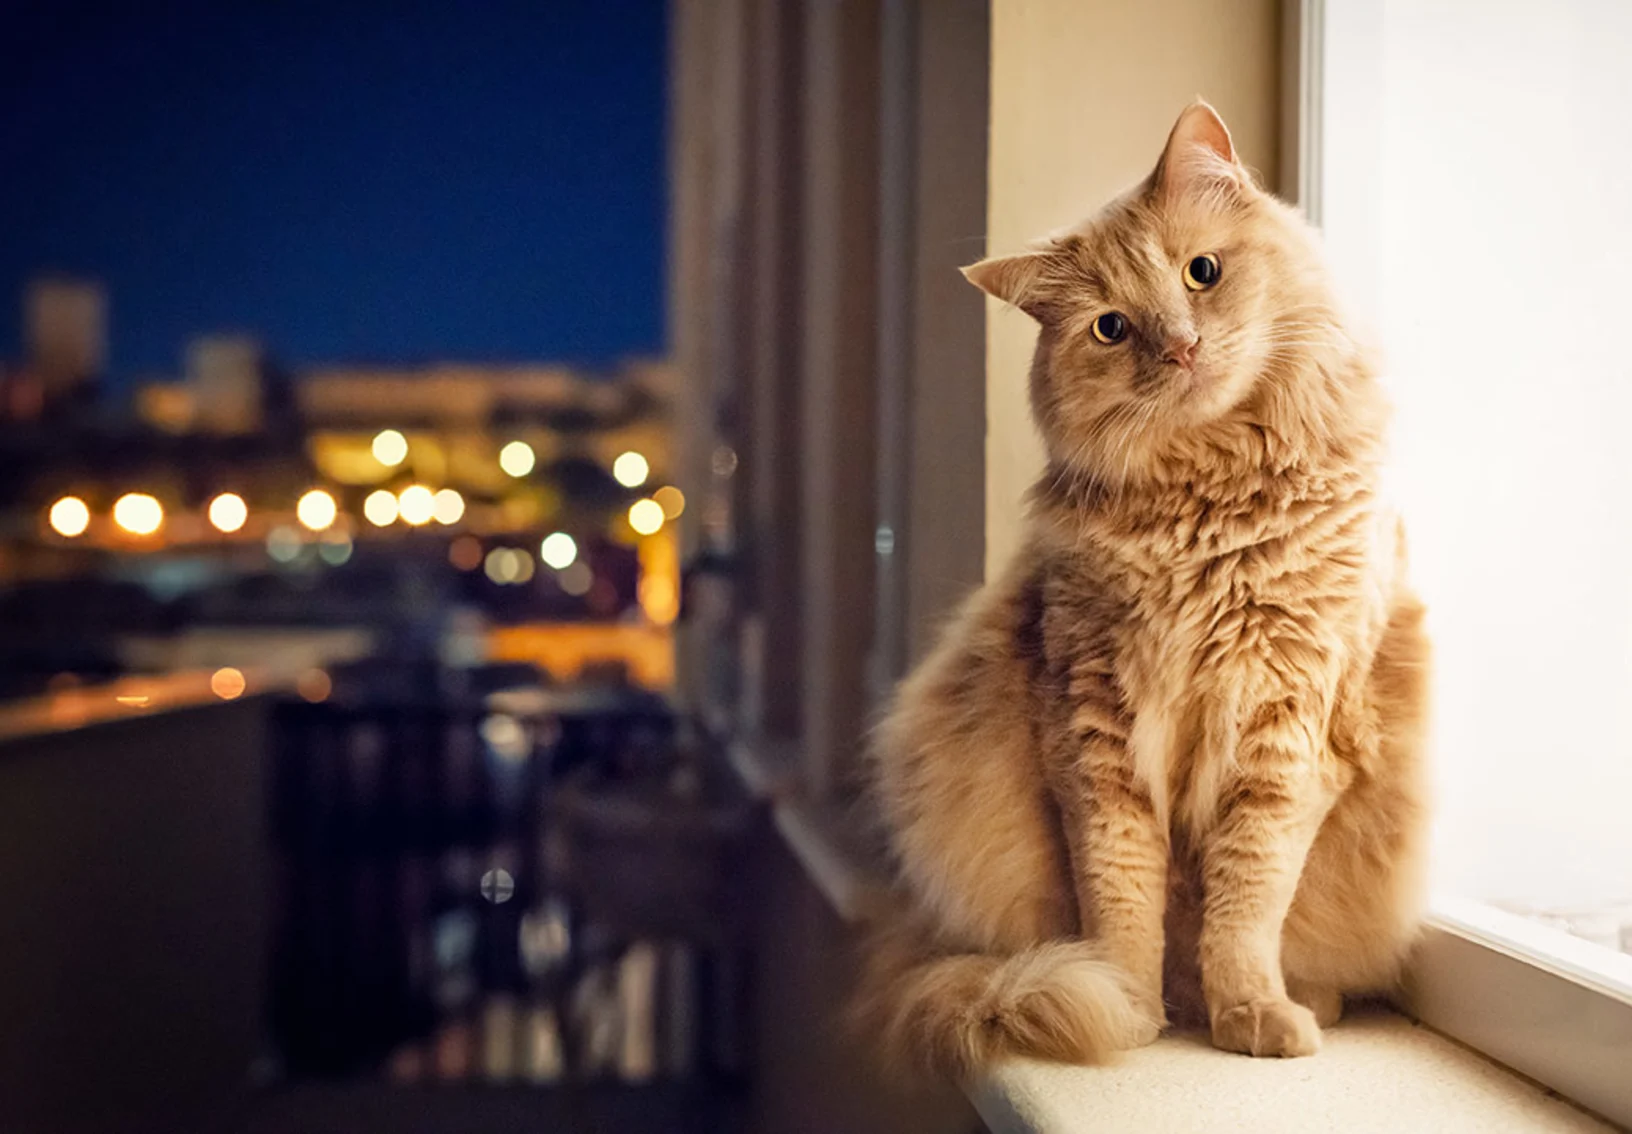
(228, 512)
(631, 469)
(69, 517)
(316, 510)
(558, 550)
(646, 516)
(517, 458)
(417, 505)
(138, 513)
(390, 448)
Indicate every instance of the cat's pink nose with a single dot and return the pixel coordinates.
(1182, 350)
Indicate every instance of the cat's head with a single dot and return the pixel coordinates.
(1170, 310)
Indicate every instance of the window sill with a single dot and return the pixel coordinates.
(823, 837)
(1377, 1071)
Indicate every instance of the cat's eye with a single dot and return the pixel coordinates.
(1110, 328)
(1202, 272)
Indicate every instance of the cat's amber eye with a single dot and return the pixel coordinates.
(1202, 272)
(1110, 328)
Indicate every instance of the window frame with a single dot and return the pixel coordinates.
(1552, 1007)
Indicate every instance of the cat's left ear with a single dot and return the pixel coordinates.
(1199, 157)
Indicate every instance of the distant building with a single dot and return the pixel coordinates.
(66, 332)
(226, 375)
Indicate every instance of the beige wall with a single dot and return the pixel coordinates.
(1083, 94)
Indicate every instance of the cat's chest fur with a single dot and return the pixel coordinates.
(1209, 605)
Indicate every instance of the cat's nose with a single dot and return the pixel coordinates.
(1181, 349)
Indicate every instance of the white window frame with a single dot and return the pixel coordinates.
(1553, 1008)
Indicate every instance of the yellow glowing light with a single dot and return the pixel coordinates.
(508, 565)
(228, 512)
(672, 500)
(517, 458)
(70, 517)
(138, 513)
(316, 510)
(416, 504)
(380, 507)
(448, 506)
(227, 683)
(646, 516)
(631, 469)
(558, 550)
(659, 599)
(390, 448)
(314, 685)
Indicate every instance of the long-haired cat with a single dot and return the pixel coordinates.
(1171, 759)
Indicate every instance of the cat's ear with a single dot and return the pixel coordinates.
(1200, 157)
(1016, 280)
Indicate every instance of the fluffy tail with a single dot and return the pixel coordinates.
(951, 1014)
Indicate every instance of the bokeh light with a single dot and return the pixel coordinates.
(228, 512)
(283, 543)
(505, 565)
(380, 507)
(227, 683)
(448, 506)
(69, 517)
(314, 686)
(416, 504)
(517, 458)
(335, 548)
(559, 550)
(498, 886)
(672, 500)
(576, 579)
(138, 513)
(631, 469)
(465, 553)
(507, 737)
(316, 510)
(658, 599)
(646, 516)
(390, 448)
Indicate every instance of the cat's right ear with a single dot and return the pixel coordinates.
(1016, 280)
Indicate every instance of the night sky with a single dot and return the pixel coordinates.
(352, 180)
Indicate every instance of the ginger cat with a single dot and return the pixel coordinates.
(1171, 759)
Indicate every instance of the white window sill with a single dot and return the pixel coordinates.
(1377, 1071)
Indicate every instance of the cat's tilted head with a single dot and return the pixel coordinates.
(1194, 302)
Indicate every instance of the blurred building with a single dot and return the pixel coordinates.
(67, 334)
(244, 494)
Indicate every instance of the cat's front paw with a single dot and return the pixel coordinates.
(1151, 1022)
(1267, 1028)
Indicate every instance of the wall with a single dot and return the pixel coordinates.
(1082, 98)
(133, 873)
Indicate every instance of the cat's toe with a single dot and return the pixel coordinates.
(1267, 1028)
(1325, 1002)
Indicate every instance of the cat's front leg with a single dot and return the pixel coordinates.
(1119, 856)
(1270, 809)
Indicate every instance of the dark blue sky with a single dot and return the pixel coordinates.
(350, 179)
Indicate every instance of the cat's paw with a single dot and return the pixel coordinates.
(1267, 1028)
(1151, 1022)
(1324, 1001)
